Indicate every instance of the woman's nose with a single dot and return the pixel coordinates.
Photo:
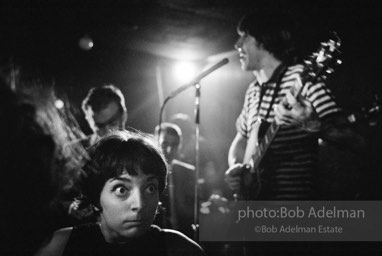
(137, 200)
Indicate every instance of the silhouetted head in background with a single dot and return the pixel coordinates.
(185, 124)
(105, 109)
(170, 140)
(36, 158)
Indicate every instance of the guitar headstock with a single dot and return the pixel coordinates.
(321, 63)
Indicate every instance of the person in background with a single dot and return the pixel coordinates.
(36, 161)
(105, 110)
(209, 176)
(123, 182)
(266, 47)
(178, 199)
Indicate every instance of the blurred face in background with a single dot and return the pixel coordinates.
(107, 119)
(170, 145)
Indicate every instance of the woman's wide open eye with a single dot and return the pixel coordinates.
(121, 190)
(152, 189)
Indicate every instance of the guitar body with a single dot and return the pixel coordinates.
(252, 182)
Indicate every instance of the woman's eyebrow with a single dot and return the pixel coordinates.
(128, 180)
(121, 179)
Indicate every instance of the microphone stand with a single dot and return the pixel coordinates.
(197, 162)
(194, 83)
(195, 225)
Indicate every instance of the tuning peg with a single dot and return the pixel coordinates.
(339, 62)
(312, 74)
(324, 77)
(329, 70)
(308, 62)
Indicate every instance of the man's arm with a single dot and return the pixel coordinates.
(236, 150)
(335, 129)
(235, 158)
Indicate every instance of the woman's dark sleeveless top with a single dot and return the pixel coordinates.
(88, 240)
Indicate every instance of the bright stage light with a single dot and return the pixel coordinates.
(184, 71)
(59, 104)
(86, 43)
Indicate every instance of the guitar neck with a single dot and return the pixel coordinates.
(265, 143)
(273, 128)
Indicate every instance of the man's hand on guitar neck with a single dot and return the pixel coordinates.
(297, 112)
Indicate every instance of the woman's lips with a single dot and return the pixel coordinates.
(136, 222)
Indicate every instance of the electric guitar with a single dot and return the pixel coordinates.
(368, 114)
(317, 68)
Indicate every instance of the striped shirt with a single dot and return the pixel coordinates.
(291, 157)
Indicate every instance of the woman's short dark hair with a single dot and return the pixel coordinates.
(120, 152)
(273, 29)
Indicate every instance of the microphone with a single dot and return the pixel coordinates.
(199, 77)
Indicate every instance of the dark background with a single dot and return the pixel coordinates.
(136, 39)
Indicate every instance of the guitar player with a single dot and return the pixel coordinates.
(266, 47)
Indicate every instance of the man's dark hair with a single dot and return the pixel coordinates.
(171, 129)
(99, 97)
(184, 122)
(273, 29)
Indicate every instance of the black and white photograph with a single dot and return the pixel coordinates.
(190, 127)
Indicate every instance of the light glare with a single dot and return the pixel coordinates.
(184, 71)
(59, 104)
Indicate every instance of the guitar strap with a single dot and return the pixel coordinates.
(280, 70)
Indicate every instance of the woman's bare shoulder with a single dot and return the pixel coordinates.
(55, 245)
